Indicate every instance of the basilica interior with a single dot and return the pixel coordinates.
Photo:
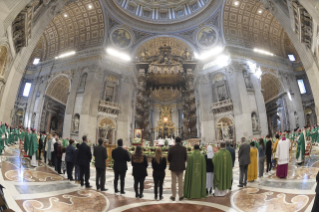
(140, 70)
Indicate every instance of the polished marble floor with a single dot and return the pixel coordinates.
(30, 189)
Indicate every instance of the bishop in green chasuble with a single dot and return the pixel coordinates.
(223, 172)
(33, 148)
(301, 147)
(195, 177)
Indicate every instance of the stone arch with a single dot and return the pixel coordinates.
(271, 86)
(59, 88)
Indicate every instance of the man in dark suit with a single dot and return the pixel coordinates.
(244, 161)
(100, 155)
(177, 156)
(120, 157)
(69, 159)
(84, 158)
(55, 145)
(231, 150)
(44, 145)
(40, 147)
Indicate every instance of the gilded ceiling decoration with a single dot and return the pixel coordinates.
(80, 25)
(162, 11)
(271, 86)
(248, 24)
(59, 89)
(152, 46)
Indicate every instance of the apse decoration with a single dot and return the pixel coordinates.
(207, 37)
(121, 38)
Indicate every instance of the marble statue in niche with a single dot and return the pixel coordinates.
(247, 79)
(221, 90)
(254, 121)
(76, 123)
(53, 123)
(109, 93)
(225, 131)
(105, 130)
(83, 81)
(296, 119)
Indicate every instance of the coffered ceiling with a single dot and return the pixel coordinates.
(80, 25)
(271, 86)
(59, 88)
(248, 24)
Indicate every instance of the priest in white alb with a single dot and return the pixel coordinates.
(161, 142)
(282, 154)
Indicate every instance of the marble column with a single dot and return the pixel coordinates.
(261, 107)
(124, 118)
(204, 111)
(67, 126)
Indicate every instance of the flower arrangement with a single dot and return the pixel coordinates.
(137, 140)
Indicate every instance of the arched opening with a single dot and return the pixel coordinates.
(275, 101)
(54, 105)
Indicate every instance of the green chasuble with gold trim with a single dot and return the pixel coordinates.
(27, 142)
(301, 146)
(33, 148)
(195, 177)
(223, 170)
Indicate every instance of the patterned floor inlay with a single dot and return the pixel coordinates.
(174, 207)
(252, 200)
(81, 201)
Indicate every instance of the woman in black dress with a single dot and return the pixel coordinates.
(268, 153)
(139, 163)
(159, 166)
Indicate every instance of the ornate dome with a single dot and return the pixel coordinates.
(162, 11)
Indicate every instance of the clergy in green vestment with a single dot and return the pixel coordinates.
(22, 135)
(33, 148)
(223, 171)
(4, 129)
(27, 141)
(15, 135)
(65, 142)
(1, 140)
(312, 134)
(195, 177)
(10, 140)
(300, 155)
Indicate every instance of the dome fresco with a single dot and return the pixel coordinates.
(162, 11)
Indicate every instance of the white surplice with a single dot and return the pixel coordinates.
(282, 152)
(161, 142)
(34, 161)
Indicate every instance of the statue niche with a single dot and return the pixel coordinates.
(76, 123)
(247, 79)
(220, 90)
(110, 90)
(255, 123)
(83, 82)
(106, 130)
(225, 129)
